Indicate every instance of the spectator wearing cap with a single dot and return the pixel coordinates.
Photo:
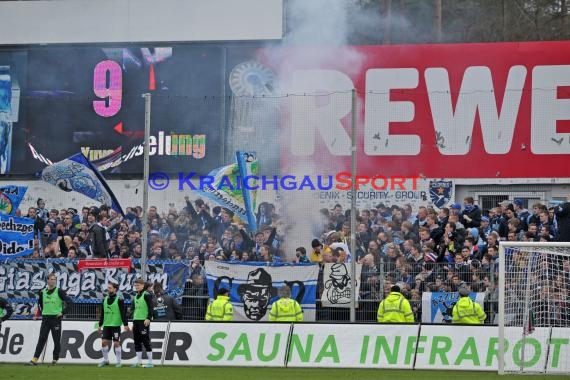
(503, 205)
(471, 216)
(485, 227)
(455, 209)
(395, 308)
(466, 311)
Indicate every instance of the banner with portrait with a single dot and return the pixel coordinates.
(253, 287)
(337, 284)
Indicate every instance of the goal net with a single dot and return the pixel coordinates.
(534, 308)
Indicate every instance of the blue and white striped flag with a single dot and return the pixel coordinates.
(77, 174)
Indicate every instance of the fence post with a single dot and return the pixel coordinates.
(353, 294)
(144, 235)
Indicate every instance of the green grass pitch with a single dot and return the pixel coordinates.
(84, 372)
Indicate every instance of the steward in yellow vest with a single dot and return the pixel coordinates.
(221, 309)
(466, 311)
(395, 308)
(285, 309)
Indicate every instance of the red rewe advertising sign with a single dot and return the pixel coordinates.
(498, 110)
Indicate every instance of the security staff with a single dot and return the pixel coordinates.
(221, 309)
(285, 309)
(142, 315)
(395, 308)
(5, 311)
(466, 311)
(113, 316)
(53, 303)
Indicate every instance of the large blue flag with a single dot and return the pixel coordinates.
(16, 236)
(10, 198)
(76, 173)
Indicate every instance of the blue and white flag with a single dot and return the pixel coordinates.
(227, 188)
(77, 174)
(437, 307)
(10, 198)
(16, 236)
(253, 287)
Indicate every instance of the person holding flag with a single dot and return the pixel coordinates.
(113, 315)
(53, 304)
(142, 315)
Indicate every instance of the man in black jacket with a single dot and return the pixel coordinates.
(165, 307)
(97, 236)
(562, 213)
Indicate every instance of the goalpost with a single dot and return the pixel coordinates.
(534, 308)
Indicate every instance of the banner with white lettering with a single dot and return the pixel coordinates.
(337, 284)
(21, 280)
(16, 236)
(437, 307)
(253, 287)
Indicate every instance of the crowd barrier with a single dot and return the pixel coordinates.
(473, 348)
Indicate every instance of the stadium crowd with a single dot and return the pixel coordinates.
(425, 251)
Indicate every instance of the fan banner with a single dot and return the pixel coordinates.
(336, 278)
(16, 236)
(22, 279)
(253, 287)
(437, 307)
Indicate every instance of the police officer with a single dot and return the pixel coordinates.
(5, 310)
(466, 311)
(285, 309)
(53, 303)
(395, 308)
(113, 315)
(221, 309)
(142, 315)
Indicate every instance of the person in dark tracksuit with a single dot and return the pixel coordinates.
(142, 315)
(165, 307)
(53, 303)
(5, 311)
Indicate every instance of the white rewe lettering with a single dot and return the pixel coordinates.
(377, 138)
(454, 130)
(547, 109)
